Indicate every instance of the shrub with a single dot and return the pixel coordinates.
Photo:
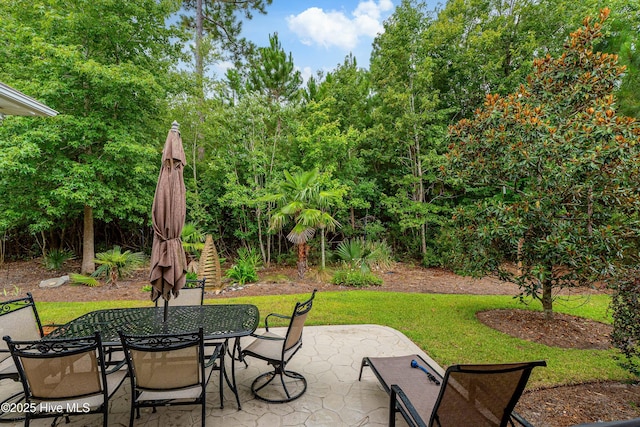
(244, 270)
(379, 256)
(354, 278)
(54, 259)
(115, 264)
(626, 319)
(356, 254)
(80, 279)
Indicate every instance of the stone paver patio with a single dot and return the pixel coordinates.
(330, 360)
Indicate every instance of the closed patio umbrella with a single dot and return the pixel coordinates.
(168, 260)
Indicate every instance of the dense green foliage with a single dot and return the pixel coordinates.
(553, 170)
(245, 269)
(626, 319)
(376, 139)
(355, 278)
(106, 67)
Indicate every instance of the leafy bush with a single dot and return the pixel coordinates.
(356, 254)
(379, 255)
(81, 279)
(354, 278)
(626, 319)
(352, 253)
(244, 270)
(115, 264)
(192, 240)
(54, 259)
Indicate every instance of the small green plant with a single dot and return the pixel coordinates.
(13, 292)
(115, 264)
(147, 288)
(54, 259)
(357, 254)
(355, 278)
(244, 270)
(81, 279)
(192, 240)
(352, 254)
(379, 255)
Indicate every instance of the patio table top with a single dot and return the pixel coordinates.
(219, 321)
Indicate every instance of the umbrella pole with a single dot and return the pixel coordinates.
(166, 304)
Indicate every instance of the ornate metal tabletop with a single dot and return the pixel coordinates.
(218, 321)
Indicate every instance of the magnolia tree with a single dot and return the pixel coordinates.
(551, 176)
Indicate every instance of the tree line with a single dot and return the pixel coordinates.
(482, 132)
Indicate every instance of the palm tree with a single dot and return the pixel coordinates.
(302, 201)
(114, 264)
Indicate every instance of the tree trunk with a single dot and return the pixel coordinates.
(302, 259)
(198, 53)
(353, 218)
(519, 256)
(322, 248)
(547, 299)
(88, 250)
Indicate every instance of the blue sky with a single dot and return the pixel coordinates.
(321, 33)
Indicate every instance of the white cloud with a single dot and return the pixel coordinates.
(306, 72)
(315, 26)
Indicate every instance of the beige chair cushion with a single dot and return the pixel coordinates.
(269, 348)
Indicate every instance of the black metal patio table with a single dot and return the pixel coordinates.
(218, 322)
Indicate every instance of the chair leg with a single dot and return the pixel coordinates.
(203, 404)
(365, 362)
(392, 409)
(282, 373)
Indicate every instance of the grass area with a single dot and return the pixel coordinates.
(444, 326)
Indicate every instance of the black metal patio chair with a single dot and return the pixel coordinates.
(191, 294)
(63, 377)
(277, 351)
(169, 370)
(467, 395)
(19, 319)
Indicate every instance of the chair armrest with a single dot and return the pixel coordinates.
(280, 316)
(213, 357)
(116, 367)
(262, 337)
(410, 415)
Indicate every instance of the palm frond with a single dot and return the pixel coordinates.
(300, 235)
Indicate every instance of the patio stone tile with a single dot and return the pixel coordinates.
(334, 402)
(330, 359)
(269, 420)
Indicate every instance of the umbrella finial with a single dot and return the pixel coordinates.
(174, 126)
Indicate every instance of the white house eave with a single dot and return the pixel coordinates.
(16, 103)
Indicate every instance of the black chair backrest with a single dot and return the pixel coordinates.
(60, 369)
(298, 318)
(191, 294)
(481, 395)
(165, 362)
(19, 319)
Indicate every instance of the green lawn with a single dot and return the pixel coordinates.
(444, 326)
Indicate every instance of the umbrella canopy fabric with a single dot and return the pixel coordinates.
(168, 260)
